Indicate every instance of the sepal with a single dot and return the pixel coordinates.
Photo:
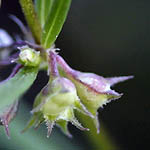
(7, 115)
(55, 104)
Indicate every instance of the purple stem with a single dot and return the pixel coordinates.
(14, 45)
(20, 24)
(64, 65)
(34, 46)
(53, 64)
(22, 43)
(15, 70)
(9, 60)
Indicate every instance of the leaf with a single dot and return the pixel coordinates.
(13, 88)
(7, 115)
(31, 18)
(55, 21)
(43, 8)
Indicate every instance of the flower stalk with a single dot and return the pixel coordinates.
(52, 65)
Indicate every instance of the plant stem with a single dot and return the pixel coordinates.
(32, 20)
(53, 65)
(64, 65)
(101, 141)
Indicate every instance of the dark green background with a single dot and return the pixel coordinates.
(110, 38)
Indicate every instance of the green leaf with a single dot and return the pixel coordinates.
(31, 18)
(55, 21)
(43, 8)
(12, 89)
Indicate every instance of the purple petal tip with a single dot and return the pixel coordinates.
(112, 92)
(114, 80)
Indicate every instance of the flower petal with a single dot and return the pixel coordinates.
(114, 80)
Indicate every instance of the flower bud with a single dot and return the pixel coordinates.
(29, 57)
(93, 90)
(55, 104)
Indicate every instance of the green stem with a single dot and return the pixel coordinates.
(101, 141)
(31, 17)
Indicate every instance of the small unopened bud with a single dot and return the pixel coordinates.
(29, 57)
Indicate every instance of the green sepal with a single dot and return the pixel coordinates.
(63, 124)
(81, 108)
(90, 98)
(56, 103)
(69, 115)
(35, 121)
(30, 123)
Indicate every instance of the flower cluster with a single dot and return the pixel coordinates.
(67, 90)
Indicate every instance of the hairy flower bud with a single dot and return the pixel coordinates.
(55, 104)
(29, 57)
(93, 90)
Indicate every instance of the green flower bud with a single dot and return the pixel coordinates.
(55, 104)
(93, 90)
(29, 57)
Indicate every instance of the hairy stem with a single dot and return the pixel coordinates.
(64, 65)
(53, 65)
(31, 17)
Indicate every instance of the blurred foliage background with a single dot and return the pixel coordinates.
(110, 38)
